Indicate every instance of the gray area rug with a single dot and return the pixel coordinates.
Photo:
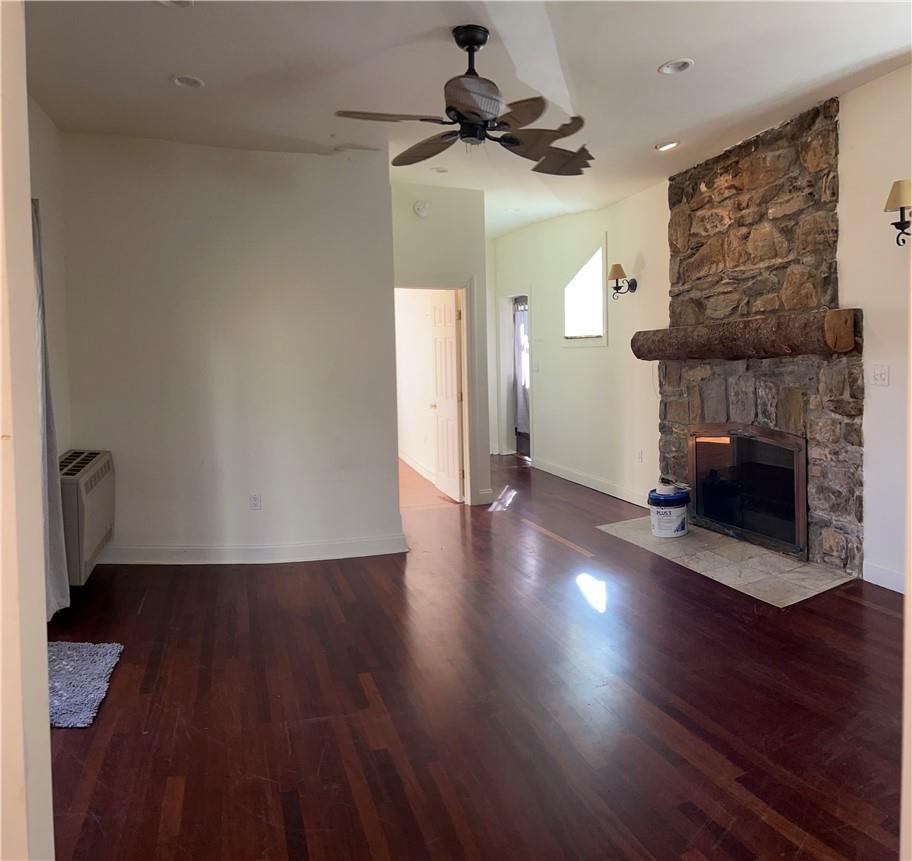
(78, 676)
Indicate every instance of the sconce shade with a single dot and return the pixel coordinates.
(616, 272)
(900, 195)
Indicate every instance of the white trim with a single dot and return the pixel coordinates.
(253, 554)
(886, 577)
(603, 485)
(485, 497)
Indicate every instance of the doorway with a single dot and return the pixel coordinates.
(521, 376)
(430, 359)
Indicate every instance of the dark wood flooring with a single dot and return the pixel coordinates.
(466, 701)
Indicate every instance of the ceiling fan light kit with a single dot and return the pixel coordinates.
(475, 105)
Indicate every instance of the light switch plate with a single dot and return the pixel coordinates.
(880, 375)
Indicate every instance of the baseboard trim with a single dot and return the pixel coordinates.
(628, 494)
(253, 554)
(886, 577)
(484, 497)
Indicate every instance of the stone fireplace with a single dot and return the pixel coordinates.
(752, 235)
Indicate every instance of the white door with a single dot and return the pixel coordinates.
(446, 409)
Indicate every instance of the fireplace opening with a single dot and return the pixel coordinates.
(751, 483)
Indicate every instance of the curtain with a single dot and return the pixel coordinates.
(521, 364)
(57, 587)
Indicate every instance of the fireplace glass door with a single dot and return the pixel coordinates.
(751, 483)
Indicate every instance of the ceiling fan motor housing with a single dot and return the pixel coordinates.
(472, 98)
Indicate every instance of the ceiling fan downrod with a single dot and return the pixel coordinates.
(471, 38)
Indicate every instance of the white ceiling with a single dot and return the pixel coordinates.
(276, 72)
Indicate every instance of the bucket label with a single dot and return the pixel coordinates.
(668, 522)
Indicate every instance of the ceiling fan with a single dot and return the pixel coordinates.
(475, 105)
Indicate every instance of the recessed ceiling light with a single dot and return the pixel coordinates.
(675, 67)
(664, 147)
(440, 169)
(188, 82)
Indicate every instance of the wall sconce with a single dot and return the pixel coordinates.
(617, 274)
(900, 200)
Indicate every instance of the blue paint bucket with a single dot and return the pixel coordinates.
(668, 510)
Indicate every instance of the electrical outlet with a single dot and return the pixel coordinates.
(255, 502)
(880, 375)
(639, 455)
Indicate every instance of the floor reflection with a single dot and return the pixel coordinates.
(503, 502)
(595, 591)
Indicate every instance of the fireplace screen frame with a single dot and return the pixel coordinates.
(796, 444)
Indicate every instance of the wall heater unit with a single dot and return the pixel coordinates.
(87, 486)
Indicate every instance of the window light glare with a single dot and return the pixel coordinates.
(664, 147)
(595, 591)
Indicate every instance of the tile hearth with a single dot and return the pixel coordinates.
(763, 574)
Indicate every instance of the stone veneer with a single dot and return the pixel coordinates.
(753, 231)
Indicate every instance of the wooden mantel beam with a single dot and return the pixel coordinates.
(803, 333)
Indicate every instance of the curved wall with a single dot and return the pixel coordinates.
(231, 333)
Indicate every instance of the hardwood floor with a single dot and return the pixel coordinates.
(415, 491)
(466, 701)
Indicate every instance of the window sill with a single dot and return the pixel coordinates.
(599, 341)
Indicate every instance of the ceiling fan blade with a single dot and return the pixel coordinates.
(391, 118)
(522, 113)
(529, 143)
(533, 144)
(427, 148)
(571, 127)
(558, 161)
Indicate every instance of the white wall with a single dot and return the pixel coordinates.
(415, 380)
(26, 818)
(231, 333)
(447, 250)
(46, 157)
(874, 150)
(592, 407)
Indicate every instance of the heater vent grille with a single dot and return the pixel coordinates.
(74, 462)
(87, 490)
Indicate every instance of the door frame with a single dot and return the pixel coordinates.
(505, 374)
(462, 368)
